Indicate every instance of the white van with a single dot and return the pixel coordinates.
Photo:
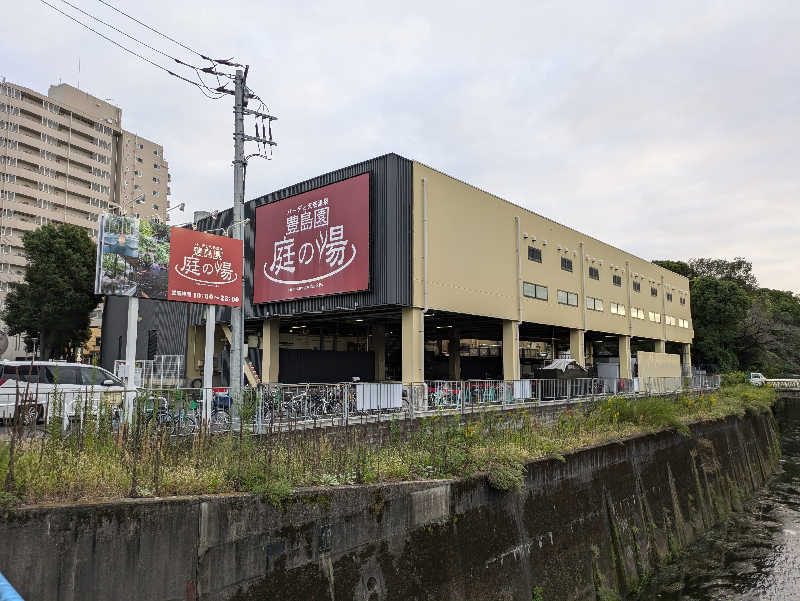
(31, 385)
(757, 379)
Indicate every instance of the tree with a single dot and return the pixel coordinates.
(55, 299)
(740, 270)
(679, 267)
(719, 308)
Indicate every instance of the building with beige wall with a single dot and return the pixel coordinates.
(65, 158)
(462, 285)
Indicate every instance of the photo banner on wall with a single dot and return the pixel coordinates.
(153, 260)
(313, 244)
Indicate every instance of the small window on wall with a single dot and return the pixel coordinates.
(669, 297)
(637, 286)
(594, 273)
(637, 313)
(534, 254)
(683, 300)
(617, 309)
(617, 279)
(534, 291)
(594, 304)
(566, 264)
(567, 298)
(656, 317)
(653, 291)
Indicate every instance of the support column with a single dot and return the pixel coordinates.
(454, 353)
(413, 352)
(270, 347)
(130, 355)
(686, 360)
(625, 357)
(576, 348)
(661, 346)
(208, 361)
(511, 369)
(379, 348)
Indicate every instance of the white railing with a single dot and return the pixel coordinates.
(271, 406)
(784, 383)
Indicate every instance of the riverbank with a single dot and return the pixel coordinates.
(98, 464)
(584, 526)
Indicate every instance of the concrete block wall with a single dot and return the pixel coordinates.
(604, 515)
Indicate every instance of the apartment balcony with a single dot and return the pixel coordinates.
(14, 259)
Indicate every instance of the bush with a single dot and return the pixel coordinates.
(734, 377)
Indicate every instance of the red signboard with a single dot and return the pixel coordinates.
(313, 244)
(204, 268)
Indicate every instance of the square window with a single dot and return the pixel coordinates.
(617, 280)
(566, 264)
(572, 299)
(534, 291)
(594, 273)
(534, 254)
(529, 290)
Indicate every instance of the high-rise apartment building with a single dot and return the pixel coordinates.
(64, 158)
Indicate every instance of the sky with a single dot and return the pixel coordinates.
(668, 129)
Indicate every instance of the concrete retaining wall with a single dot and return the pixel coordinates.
(601, 518)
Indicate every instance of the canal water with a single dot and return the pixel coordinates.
(755, 555)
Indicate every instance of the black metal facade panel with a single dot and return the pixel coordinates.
(390, 244)
(168, 318)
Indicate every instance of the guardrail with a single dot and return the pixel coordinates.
(281, 406)
(784, 383)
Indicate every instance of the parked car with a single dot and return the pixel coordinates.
(757, 379)
(29, 387)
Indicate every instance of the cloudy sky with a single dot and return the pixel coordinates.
(670, 129)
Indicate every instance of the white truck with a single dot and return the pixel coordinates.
(757, 379)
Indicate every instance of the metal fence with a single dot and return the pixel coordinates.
(279, 406)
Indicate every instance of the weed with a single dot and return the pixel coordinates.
(95, 461)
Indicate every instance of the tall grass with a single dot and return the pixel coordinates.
(98, 462)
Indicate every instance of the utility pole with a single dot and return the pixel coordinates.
(237, 314)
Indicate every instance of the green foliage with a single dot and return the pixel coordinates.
(537, 594)
(739, 271)
(55, 299)
(733, 378)
(736, 324)
(153, 244)
(506, 476)
(94, 461)
(679, 267)
(719, 308)
(8, 503)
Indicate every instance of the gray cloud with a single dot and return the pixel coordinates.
(668, 130)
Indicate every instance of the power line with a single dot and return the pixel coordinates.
(163, 35)
(138, 41)
(133, 52)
